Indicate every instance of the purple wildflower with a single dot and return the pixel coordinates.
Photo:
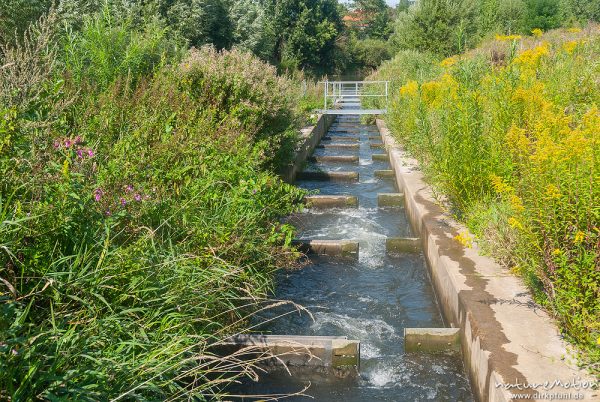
(90, 153)
(80, 153)
(123, 201)
(129, 188)
(78, 140)
(56, 144)
(68, 144)
(138, 197)
(98, 194)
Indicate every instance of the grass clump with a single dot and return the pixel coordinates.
(138, 211)
(509, 134)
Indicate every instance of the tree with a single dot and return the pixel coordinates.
(200, 21)
(305, 33)
(543, 14)
(444, 27)
(583, 10)
(377, 20)
(251, 28)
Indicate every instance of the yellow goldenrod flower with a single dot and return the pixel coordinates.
(552, 192)
(410, 88)
(515, 224)
(579, 237)
(571, 46)
(516, 203)
(537, 32)
(449, 62)
(430, 91)
(574, 30)
(531, 57)
(464, 238)
(556, 251)
(499, 185)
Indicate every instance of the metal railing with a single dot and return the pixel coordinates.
(335, 92)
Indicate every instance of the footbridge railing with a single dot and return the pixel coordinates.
(345, 97)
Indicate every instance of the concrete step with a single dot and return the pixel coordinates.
(377, 146)
(380, 157)
(335, 352)
(432, 340)
(390, 199)
(334, 158)
(339, 145)
(328, 176)
(384, 173)
(403, 245)
(340, 138)
(331, 201)
(335, 248)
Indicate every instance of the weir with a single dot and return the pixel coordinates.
(380, 297)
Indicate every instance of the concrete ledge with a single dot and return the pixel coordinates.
(377, 146)
(390, 199)
(342, 138)
(403, 245)
(506, 339)
(431, 339)
(385, 173)
(328, 176)
(341, 248)
(331, 201)
(293, 350)
(375, 137)
(311, 136)
(380, 157)
(339, 145)
(335, 158)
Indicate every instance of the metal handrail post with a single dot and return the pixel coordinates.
(325, 97)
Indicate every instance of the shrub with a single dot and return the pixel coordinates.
(512, 143)
(138, 223)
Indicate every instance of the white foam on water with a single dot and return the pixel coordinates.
(365, 162)
(369, 181)
(369, 351)
(355, 327)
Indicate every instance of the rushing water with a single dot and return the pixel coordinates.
(371, 299)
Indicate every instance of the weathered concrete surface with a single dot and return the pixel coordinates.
(390, 199)
(506, 339)
(294, 350)
(342, 248)
(335, 158)
(403, 245)
(431, 339)
(328, 176)
(341, 138)
(380, 157)
(384, 173)
(311, 136)
(377, 146)
(331, 201)
(339, 145)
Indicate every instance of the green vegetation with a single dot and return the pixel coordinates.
(138, 207)
(508, 135)
(447, 27)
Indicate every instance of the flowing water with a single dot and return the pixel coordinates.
(371, 299)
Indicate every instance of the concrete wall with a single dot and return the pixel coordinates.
(310, 138)
(506, 339)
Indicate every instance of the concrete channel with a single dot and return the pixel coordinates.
(366, 282)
